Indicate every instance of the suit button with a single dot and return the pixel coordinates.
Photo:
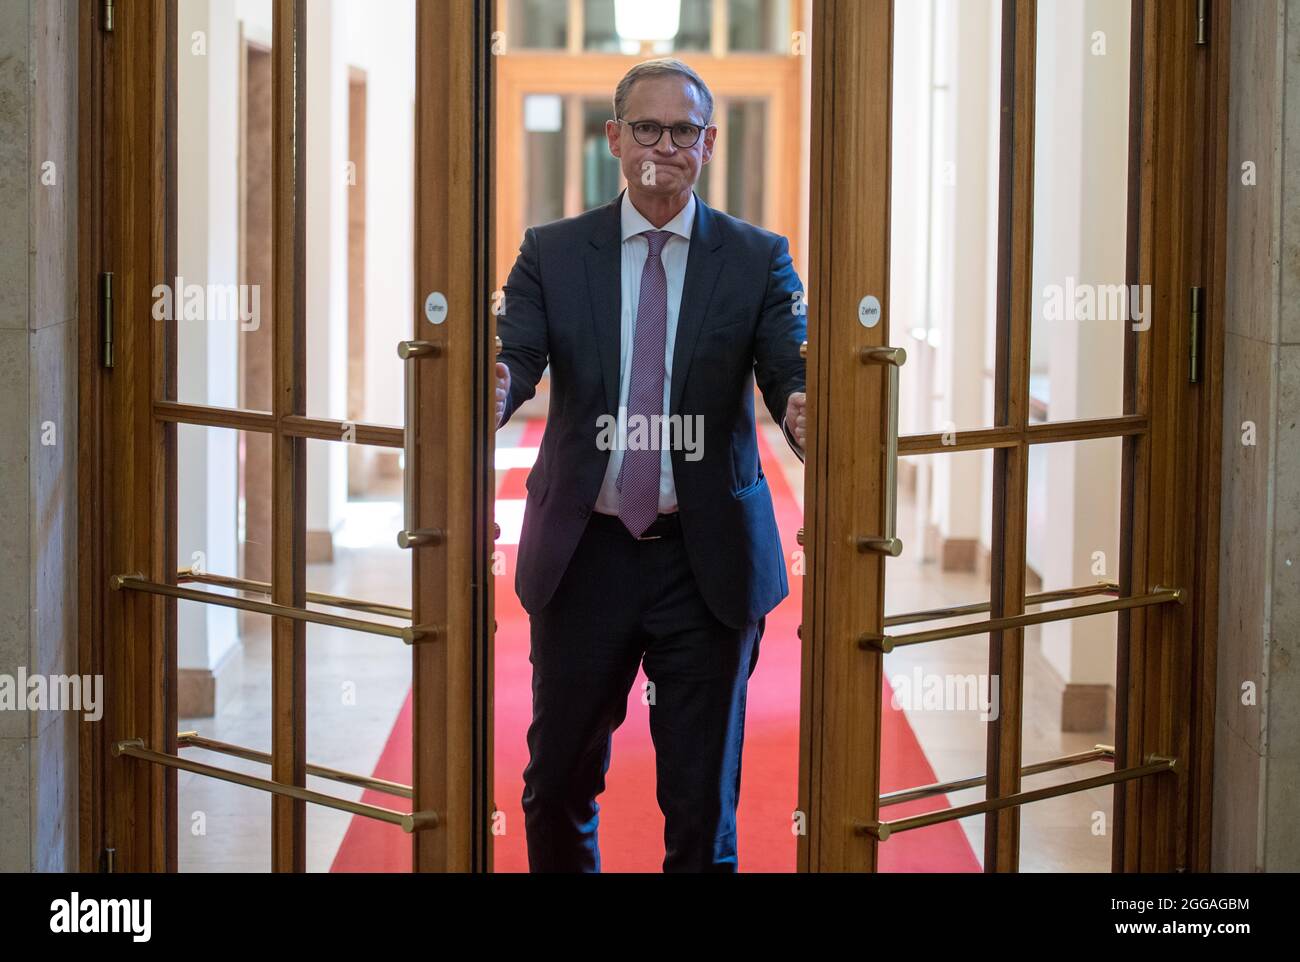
(583, 511)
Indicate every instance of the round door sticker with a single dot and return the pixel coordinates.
(869, 311)
(435, 307)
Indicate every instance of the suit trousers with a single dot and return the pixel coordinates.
(623, 603)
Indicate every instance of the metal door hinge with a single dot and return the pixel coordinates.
(1194, 335)
(108, 16)
(108, 861)
(1202, 21)
(106, 316)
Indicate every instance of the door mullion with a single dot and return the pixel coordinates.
(452, 487)
(288, 479)
(1011, 465)
(811, 727)
(844, 590)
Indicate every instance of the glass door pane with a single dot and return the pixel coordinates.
(360, 203)
(222, 299)
(1082, 301)
(944, 219)
(985, 387)
(310, 518)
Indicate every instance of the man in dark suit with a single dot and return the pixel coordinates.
(649, 534)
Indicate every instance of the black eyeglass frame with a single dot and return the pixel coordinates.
(699, 132)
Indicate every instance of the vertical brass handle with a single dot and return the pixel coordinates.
(409, 536)
(895, 358)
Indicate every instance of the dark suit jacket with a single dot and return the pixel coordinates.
(741, 318)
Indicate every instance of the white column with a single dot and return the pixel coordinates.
(910, 160)
(208, 350)
(327, 257)
(963, 193)
(385, 48)
(1082, 220)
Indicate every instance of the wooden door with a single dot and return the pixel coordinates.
(1155, 425)
(140, 399)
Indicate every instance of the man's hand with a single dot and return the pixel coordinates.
(795, 420)
(503, 389)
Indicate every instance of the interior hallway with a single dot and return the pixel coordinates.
(359, 721)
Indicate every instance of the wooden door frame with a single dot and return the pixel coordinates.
(127, 456)
(122, 452)
(1166, 681)
(129, 415)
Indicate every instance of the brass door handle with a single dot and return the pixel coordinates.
(409, 536)
(890, 544)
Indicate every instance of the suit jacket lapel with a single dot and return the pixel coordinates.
(604, 260)
(703, 265)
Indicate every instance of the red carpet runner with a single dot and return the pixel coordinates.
(631, 825)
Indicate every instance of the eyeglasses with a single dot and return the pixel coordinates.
(649, 132)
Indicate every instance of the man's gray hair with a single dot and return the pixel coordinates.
(663, 67)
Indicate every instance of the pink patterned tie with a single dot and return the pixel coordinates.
(638, 478)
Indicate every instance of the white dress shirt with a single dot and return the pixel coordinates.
(673, 256)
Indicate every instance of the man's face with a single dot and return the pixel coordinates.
(665, 168)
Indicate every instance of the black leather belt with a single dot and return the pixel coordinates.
(664, 526)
